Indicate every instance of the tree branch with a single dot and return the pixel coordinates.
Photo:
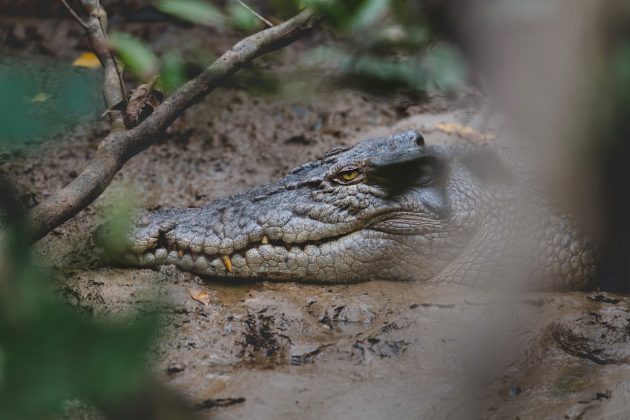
(113, 88)
(119, 146)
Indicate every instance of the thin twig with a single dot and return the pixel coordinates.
(253, 12)
(113, 87)
(75, 15)
(120, 146)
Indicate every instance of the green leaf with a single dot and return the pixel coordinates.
(173, 71)
(50, 351)
(114, 231)
(242, 18)
(445, 67)
(195, 11)
(367, 14)
(137, 56)
(350, 15)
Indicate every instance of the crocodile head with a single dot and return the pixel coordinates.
(388, 208)
(376, 210)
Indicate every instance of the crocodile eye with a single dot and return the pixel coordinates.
(349, 176)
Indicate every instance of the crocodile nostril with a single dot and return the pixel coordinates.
(419, 139)
(162, 241)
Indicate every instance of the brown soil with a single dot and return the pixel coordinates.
(284, 350)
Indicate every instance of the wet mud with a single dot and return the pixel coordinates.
(374, 349)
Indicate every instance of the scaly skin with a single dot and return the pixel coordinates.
(388, 208)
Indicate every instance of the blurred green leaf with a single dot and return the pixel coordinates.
(349, 15)
(173, 71)
(445, 68)
(51, 352)
(137, 56)
(195, 11)
(337, 14)
(440, 68)
(367, 13)
(284, 9)
(241, 18)
(118, 220)
(394, 39)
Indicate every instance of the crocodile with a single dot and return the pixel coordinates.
(387, 208)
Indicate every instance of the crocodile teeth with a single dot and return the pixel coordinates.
(180, 252)
(264, 240)
(193, 256)
(227, 262)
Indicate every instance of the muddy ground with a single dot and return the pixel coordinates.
(374, 349)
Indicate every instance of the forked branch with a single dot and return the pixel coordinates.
(121, 145)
